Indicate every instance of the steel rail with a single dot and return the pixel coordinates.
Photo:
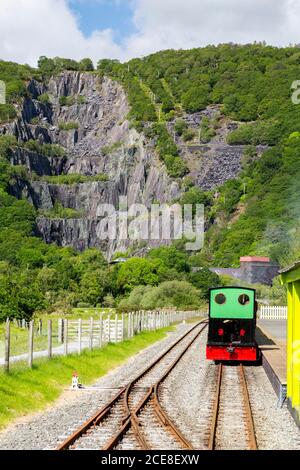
(249, 415)
(132, 416)
(248, 411)
(103, 413)
(94, 421)
(161, 414)
(213, 429)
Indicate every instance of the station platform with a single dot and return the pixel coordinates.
(271, 338)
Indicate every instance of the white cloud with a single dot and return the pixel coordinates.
(30, 28)
(193, 23)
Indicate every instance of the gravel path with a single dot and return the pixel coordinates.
(186, 395)
(58, 351)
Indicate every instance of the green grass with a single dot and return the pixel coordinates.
(24, 391)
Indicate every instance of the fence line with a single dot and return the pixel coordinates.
(268, 312)
(74, 336)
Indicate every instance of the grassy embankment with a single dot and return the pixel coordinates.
(24, 391)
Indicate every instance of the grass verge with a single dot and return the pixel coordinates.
(24, 391)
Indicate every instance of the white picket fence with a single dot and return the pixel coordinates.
(275, 312)
(115, 328)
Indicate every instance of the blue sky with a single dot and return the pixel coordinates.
(104, 14)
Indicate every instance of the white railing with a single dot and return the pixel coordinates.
(270, 312)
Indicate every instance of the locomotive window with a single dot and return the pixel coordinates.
(220, 299)
(244, 299)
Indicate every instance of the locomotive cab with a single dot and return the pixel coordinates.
(232, 325)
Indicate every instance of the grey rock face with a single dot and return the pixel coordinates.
(93, 129)
(100, 142)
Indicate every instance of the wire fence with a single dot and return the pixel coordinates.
(26, 341)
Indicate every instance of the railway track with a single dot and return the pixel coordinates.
(134, 419)
(232, 425)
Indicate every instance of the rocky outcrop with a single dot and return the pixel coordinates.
(211, 164)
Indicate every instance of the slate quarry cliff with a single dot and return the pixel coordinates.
(93, 128)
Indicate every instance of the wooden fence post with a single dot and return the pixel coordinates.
(30, 343)
(65, 328)
(123, 327)
(40, 327)
(116, 327)
(101, 330)
(129, 326)
(7, 346)
(108, 324)
(49, 339)
(79, 335)
(60, 331)
(91, 333)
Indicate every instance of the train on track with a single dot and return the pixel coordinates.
(232, 325)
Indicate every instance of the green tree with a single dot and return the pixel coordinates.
(138, 271)
(86, 65)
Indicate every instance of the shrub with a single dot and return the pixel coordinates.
(175, 166)
(44, 98)
(7, 113)
(180, 126)
(48, 150)
(67, 100)
(264, 132)
(207, 129)
(6, 143)
(83, 305)
(34, 121)
(86, 65)
(68, 126)
(60, 212)
(178, 294)
(188, 135)
(108, 149)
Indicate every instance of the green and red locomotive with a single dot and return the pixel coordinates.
(232, 325)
